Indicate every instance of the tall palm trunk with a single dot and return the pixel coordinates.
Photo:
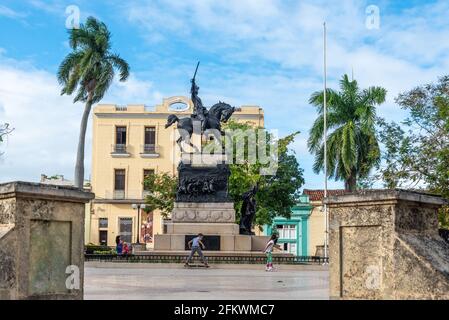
(351, 182)
(79, 167)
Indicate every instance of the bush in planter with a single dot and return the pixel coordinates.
(95, 249)
(105, 252)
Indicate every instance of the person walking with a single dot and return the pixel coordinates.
(118, 245)
(195, 245)
(269, 251)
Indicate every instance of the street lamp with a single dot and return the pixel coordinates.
(138, 206)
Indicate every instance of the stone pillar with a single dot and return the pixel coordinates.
(384, 244)
(41, 241)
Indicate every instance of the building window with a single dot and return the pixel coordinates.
(119, 184)
(103, 237)
(103, 223)
(126, 229)
(150, 140)
(289, 248)
(120, 135)
(286, 231)
(120, 140)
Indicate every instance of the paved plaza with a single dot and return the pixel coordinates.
(173, 281)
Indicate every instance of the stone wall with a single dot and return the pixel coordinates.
(385, 245)
(41, 238)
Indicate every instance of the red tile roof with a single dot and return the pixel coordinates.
(318, 195)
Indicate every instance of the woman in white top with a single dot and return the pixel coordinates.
(269, 251)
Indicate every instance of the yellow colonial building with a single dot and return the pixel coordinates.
(130, 142)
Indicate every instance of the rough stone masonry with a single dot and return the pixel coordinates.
(384, 244)
(41, 241)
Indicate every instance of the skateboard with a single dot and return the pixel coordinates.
(196, 265)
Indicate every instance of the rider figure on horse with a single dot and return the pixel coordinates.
(199, 111)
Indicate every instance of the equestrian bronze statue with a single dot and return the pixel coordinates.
(209, 119)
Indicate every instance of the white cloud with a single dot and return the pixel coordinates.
(132, 91)
(45, 124)
(10, 13)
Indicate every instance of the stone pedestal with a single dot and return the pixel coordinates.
(203, 206)
(385, 245)
(210, 219)
(41, 241)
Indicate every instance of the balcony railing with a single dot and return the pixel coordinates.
(121, 108)
(119, 149)
(149, 150)
(132, 194)
(119, 194)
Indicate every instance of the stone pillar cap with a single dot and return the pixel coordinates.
(44, 191)
(387, 194)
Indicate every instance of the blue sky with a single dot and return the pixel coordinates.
(261, 52)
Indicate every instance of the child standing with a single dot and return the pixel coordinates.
(269, 251)
(125, 249)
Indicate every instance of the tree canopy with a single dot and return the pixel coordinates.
(352, 146)
(277, 193)
(89, 70)
(416, 151)
(4, 130)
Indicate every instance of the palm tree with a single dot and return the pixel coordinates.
(352, 146)
(89, 70)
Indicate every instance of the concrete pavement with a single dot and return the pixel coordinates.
(172, 281)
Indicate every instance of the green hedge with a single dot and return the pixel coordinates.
(96, 249)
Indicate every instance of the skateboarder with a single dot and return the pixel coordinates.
(195, 246)
(269, 251)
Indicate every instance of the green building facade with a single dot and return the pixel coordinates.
(294, 232)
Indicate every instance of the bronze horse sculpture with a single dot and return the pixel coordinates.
(220, 112)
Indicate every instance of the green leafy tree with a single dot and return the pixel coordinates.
(352, 146)
(162, 192)
(443, 217)
(89, 70)
(417, 152)
(277, 193)
(398, 156)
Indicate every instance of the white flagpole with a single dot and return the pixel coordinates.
(326, 238)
